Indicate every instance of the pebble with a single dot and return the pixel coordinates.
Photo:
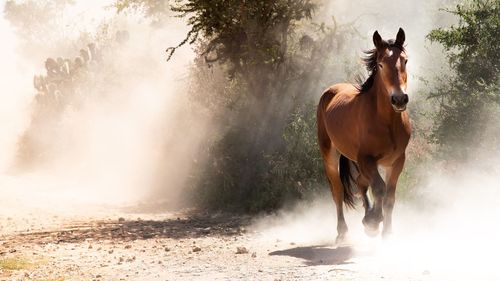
(241, 250)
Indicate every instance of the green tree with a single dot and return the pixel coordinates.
(469, 97)
(258, 66)
(252, 36)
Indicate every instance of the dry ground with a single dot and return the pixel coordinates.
(183, 246)
(46, 237)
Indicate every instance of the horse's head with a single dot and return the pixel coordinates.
(391, 66)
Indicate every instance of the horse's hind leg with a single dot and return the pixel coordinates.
(331, 160)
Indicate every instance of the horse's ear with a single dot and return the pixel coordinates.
(377, 39)
(400, 38)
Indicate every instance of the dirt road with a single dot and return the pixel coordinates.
(48, 237)
(179, 246)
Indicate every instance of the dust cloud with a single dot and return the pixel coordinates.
(451, 232)
(123, 138)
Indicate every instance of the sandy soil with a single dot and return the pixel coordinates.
(104, 243)
(43, 237)
(182, 246)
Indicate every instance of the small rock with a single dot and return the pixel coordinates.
(120, 259)
(167, 249)
(128, 246)
(110, 251)
(254, 255)
(90, 246)
(196, 249)
(241, 250)
(121, 219)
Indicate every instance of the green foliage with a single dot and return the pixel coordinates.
(244, 32)
(263, 180)
(265, 152)
(299, 168)
(469, 98)
(472, 46)
(259, 65)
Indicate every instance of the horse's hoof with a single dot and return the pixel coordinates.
(340, 240)
(371, 231)
(371, 228)
(386, 234)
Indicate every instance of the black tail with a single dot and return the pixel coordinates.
(347, 180)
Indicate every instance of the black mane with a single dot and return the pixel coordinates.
(370, 61)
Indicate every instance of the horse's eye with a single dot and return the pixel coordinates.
(380, 65)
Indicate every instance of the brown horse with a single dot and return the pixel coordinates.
(363, 127)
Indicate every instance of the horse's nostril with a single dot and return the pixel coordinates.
(393, 99)
(405, 99)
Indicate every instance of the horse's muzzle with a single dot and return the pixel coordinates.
(399, 102)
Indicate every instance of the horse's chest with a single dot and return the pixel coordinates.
(384, 142)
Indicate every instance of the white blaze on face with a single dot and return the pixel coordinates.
(390, 53)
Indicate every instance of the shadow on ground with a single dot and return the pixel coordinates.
(318, 255)
(129, 230)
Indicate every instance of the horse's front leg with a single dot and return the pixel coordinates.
(363, 184)
(370, 174)
(392, 175)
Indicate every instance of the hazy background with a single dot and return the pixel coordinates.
(122, 142)
(148, 131)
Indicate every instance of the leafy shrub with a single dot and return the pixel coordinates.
(469, 97)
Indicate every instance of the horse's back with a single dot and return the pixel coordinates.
(338, 113)
(339, 95)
